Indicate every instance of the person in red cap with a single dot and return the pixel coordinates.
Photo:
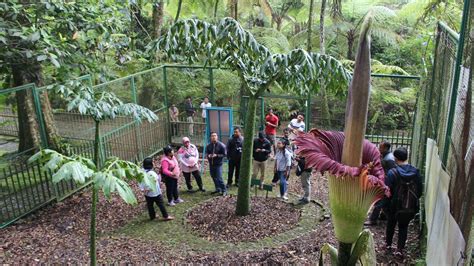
(188, 156)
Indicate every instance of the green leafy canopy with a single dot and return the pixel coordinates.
(100, 104)
(80, 169)
(227, 43)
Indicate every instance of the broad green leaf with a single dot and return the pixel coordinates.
(73, 170)
(125, 192)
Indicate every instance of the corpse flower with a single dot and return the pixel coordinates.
(351, 164)
(352, 190)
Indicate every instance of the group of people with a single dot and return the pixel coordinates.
(405, 184)
(190, 112)
(403, 179)
(187, 162)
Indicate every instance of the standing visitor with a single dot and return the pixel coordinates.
(174, 113)
(296, 125)
(215, 155)
(170, 170)
(188, 156)
(305, 175)
(282, 167)
(388, 162)
(204, 105)
(261, 151)
(406, 188)
(190, 111)
(151, 196)
(271, 124)
(234, 154)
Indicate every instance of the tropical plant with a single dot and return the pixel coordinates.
(227, 43)
(350, 26)
(352, 164)
(108, 176)
(65, 38)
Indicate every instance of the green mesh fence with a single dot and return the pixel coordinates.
(24, 188)
(434, 101)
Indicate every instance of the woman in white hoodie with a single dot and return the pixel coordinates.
(188, 156)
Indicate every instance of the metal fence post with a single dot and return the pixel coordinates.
(308, 111)
(165, 85)
(39, 114)
(138, 141)
(457, 74)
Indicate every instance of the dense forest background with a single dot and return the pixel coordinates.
(53, 41)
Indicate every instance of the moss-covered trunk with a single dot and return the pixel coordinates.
(243, 196)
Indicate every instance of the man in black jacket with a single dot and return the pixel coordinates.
(388, 162)
(215, 155)
(406, 188)
(261, 151)
(234, 154)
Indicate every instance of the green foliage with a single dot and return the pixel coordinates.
(69, 36)
(100, 104)
(363, 250)
(227, 43)
(80, 169)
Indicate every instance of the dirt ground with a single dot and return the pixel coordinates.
(59, 234)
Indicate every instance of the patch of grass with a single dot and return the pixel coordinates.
(179, 236)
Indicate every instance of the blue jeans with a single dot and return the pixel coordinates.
(283, 184)
(216, 174)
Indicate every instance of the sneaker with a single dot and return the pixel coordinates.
(178, 201)
(284, 197)
(191, 190)
(169, 218)
(398, 253)
(202, 190)
(171, 203)
(303, 201)
(215, 192)
(224, 193)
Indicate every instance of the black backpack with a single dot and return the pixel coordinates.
(406, 199)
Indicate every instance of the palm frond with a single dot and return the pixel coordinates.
(386, 36)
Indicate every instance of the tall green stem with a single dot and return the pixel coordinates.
(344, 253)
(180, 2)
(95, 197)
(216, 5)
(243, 196)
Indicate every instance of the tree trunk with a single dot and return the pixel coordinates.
(28, 132)
(325, 112)
(180, 2)
(336, 10)
(322, 37)
(310, 25)
(216, 5)
(232, 7)
(157, 18)
(95, 196)
(279, 21)
(243, 196)
(350, 44)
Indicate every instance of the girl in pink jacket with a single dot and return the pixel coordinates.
(170, 171)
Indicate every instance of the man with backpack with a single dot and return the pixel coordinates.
(388, 162)
(406, 188)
